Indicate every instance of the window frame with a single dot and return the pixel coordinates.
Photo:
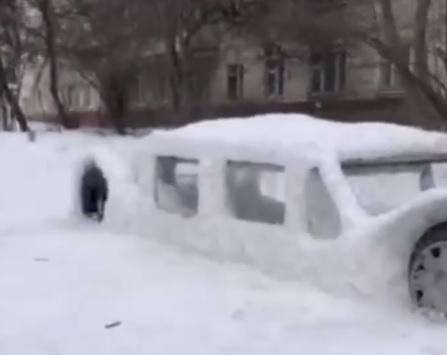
(235, 71)
(157, 179)
(274, 77)
(320, 68)
(388, 69)
(275, 167)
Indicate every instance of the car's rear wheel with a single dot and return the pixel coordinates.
(428, 270)
(94, 193)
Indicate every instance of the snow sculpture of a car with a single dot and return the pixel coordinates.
(352, 208)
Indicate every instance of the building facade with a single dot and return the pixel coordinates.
(347, 83)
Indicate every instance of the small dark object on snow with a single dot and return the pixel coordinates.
(31, 136)
(94, 192)
(113, 325)
(42, 260)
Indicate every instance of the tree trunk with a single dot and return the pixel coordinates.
(47, 16)
(12, 100)
(117, 113)
(180, 79)
(389, 23)
(412, 81)
(421, 67)
(115, 99)
(420, 39)
(176, 78)
(422, 97)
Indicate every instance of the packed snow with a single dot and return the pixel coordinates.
(340, 262)
(349, 140)
(73, 287)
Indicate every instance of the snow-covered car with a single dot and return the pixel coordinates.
(352, 208)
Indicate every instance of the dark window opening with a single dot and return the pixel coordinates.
(274, 77)
(235, 77)
(328, 70)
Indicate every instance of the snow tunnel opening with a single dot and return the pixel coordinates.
(94, 192)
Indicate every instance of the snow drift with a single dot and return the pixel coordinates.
(64, 283)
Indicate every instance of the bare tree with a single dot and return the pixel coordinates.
(111, 56)
(14, 50)
(104, 41)
(48, 34)
(424, 82)
(181, 24)
(392, 28)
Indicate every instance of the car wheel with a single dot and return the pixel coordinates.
(94, 192)
(428, 270)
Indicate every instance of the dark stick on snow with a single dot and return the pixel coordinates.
(113, 325)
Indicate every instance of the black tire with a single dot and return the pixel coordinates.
(427, 255)
(94, 193)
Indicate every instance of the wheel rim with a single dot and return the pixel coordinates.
(428, 278)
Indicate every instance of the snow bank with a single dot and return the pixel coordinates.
(35, 179)
(62, 284)
(41, 178)
(172, 303)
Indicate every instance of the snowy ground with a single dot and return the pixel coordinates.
(62, 282)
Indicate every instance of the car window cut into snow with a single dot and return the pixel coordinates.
(256, 192)
(323, 218)
(380, 189)
(177, 186)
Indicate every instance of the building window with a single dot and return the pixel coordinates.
(274, 71)
(235, 79)
(389, 76)
(328, 71)
(274, 77)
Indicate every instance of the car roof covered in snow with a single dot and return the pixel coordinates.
(350, 141)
